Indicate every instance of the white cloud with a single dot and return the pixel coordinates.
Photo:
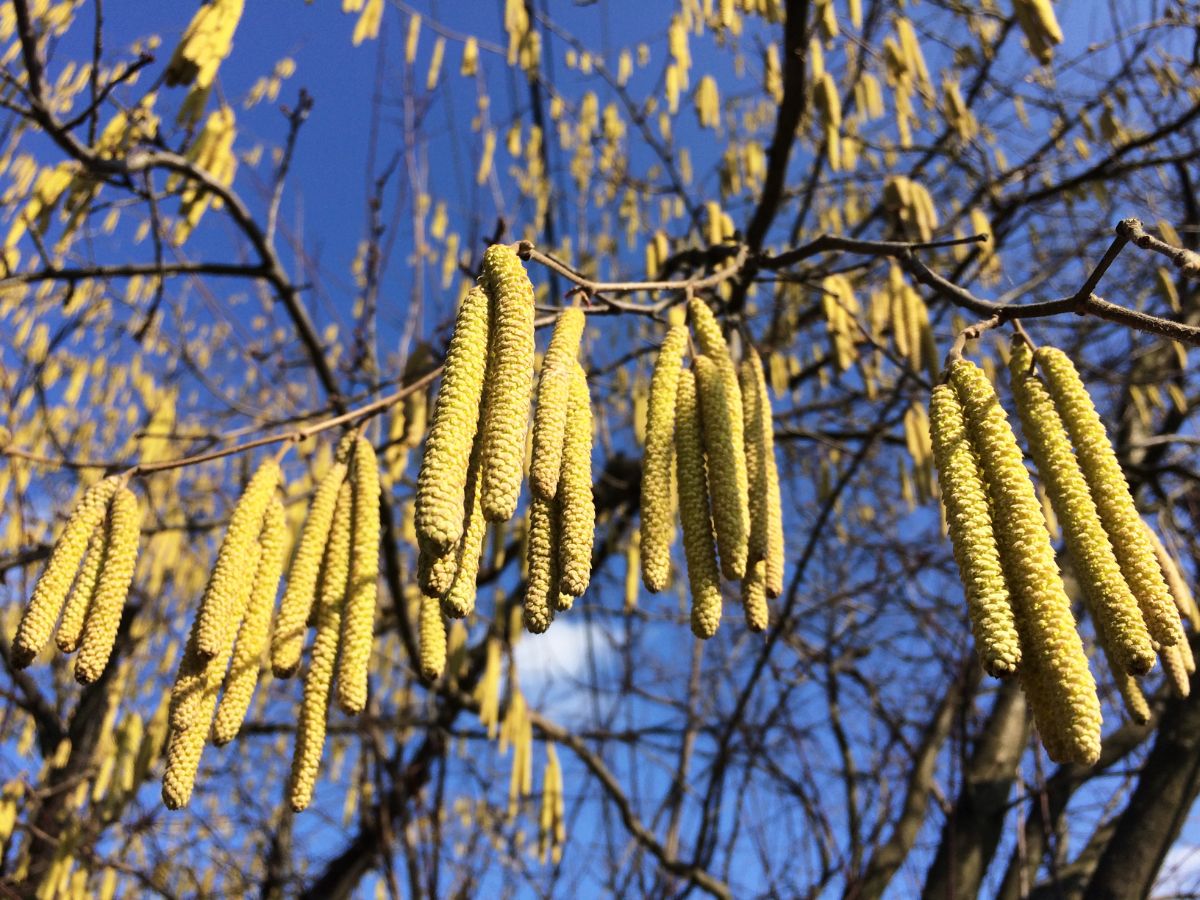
(1180, 874)
(554, 667)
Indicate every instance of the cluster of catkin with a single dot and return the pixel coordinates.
(102, 533)
(711, 423)
(1019, 609)
(473, 464)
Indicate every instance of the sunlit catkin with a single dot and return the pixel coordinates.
(1110, 491)
(1099, 574)
(70, 629)
(725, 454)
(1185, 602)
(218, 608)
(754, 595)
(358, 624)
(703, 576)
(108, 602)
(458, 600)
(242, 677)
(965, 499)
(553, 400)
(314, 709)
(50, 593)
(576, 507)
(443, 476)
(766, 509)
(431, 644)
(288, 639)
(1069, 713)
(657, 515)
(509, 380)
(541, 561)
(435, 573)
(1175, 670)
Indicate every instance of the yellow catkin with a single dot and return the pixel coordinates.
(198, 675)
(443, 476)
(70, 629)
(458, 600)
(1176, 671)
(314, 709)
(104, 613)
(242, 677)
(541, 555)
(1127, 685)
(1063, 691)
(184, 749)
(431, 639)
(288, 639)
(766, 507)
(553, 399)
(50, 593)
(1110, 599)
(754, 595)
(1185, 602)
(658, 517)
(577, 509)
(703, 576)
(509, 381)
(725, 454)
(358, 624)
(435, 574)
(1110, 492)
(217, 607)
(964, 497)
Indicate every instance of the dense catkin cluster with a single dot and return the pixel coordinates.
(50, 592)
(1110, 492)
(358, 624)
(1109, 597)
(964, 496)
(703, 575)
(658, 517)
(1054, 668)
(509, 380)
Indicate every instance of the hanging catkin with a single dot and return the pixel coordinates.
(218, 606)
(754, 595)
(703, 576)
(1176, 671)
(458, 600)
(310, 730)
(1185, 602)
(766, 509)
(725, 452)
(50, 593)
(1063, 692)
(553, 401)
(1110, 492)
(431, 644)
(1109, 596)
(658, 518)
(358, 624)
(964, 496)
(576, 507)
(509, 381)
(541, 555)
(112, 586)
(70, 629)
(443, 476)
(297, 604)
(242, 677)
